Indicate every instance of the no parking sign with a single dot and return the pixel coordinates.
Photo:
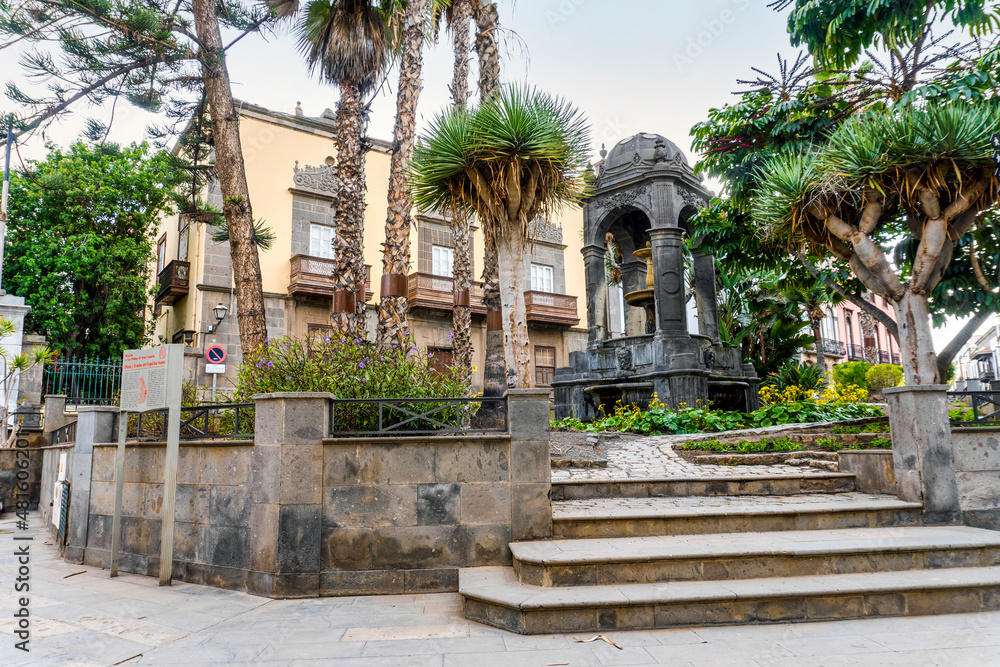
(215, 354)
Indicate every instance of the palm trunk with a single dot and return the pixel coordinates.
(460, 229)
(396, 257)
(916, 342)
(510, 260)
(248, 288)
(495, 380)
(820, 353)
(349, 259)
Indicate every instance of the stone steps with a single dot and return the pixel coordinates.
(642, 517)
(750, 485)
(720, 557)
(494, 596)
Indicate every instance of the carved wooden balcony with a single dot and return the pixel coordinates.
(546, 308)
(173, 282)
(313, 277)
(437, 293)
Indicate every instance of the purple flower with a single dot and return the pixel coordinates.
(270, 364)
(361, 365)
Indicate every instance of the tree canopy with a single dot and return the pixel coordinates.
(80, 244)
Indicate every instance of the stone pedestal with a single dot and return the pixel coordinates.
(55, 413)
(95, 424)
(530, 467)
(287, 495)
(922, 451)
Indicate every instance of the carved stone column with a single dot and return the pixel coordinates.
(668, 271)
(597, 294)
(706, 296)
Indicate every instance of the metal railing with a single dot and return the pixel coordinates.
(884, 358)
(895, 359)
(28, 417)
(417, 416)
(63, 435)
(84, 381)
(856, 352)
(229, 421)
(977, 401)
(831, 346)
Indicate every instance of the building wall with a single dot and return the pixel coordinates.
(835, 328)
(275, 146)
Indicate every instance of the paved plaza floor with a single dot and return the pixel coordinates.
(653, 457)
(81, 617)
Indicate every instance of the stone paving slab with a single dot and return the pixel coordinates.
(231, 628)
(652, 457)
(713, 505)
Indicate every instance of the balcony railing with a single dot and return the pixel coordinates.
(437, 293)
(895, 359)
(855, 352)
(833, 347)
(313, 277)
(884, 357)
(546, 308)
(173, 282)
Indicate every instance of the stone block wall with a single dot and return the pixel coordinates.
(212, 515)
(976, 452)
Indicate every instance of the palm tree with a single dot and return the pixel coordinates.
(495, 378)
(517, 156)
(396, 257)
(346, 42)
(458, 14)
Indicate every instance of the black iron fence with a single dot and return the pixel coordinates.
(984, 407)
(232, 421)
(63, 434)
(417, 416)
(856, 352)
(84, 381)
(831, 346)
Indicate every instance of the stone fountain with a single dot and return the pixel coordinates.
(645, 193)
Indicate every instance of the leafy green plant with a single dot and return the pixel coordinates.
(883, 376)
(793, 373)
(851, 373)
(854, 430)
(352, 368)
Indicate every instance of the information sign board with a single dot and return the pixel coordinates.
(144, 379)
(215, 369)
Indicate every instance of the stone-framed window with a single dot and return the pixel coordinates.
(545, 365)
(442, 261)
(321, 240)
(542, 278)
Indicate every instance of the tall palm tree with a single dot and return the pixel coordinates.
(458, 14)
(346, 42)
(495, 378)
(396, 257)
(518, 155)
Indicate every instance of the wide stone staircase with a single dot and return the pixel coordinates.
(640, 554)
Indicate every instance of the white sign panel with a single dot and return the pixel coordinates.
(215, 368)
(144, 379)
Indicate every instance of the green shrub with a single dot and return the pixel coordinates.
(792, 373)
(351, 368)
(851, 372)
(854, 430)
(883, 376)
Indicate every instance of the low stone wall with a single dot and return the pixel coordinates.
(211, 519)
(976, 452)
(872, 468)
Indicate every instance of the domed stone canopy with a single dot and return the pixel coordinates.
(645, 149)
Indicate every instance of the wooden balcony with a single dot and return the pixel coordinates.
(437, 293)
(173, 282)
(546, 308)
(313, 277)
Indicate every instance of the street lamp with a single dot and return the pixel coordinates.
(220, 314)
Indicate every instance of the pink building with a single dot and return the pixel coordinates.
(843, 337)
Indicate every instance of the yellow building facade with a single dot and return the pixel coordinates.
(289, 162)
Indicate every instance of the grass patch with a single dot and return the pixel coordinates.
(855, 430)
(782, 445)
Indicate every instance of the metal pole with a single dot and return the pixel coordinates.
(116, 522)
(215, 378)
(3, 198)
(175, 378)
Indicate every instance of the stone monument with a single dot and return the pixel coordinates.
(645, 194)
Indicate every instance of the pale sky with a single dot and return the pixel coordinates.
(630, 65)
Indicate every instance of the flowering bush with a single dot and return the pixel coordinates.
(658, 418)
(351, 368)
(883, 376)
